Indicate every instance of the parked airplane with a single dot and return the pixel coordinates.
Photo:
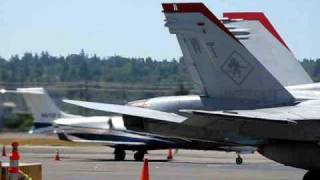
(106, 130)
(244, 102)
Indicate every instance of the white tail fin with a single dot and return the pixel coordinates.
(42, 107)
(227, 70)
(258, 35)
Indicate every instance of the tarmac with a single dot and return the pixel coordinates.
(96, 163)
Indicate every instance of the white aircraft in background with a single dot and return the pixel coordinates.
(44, 110)
(244, 102)
(105, 130)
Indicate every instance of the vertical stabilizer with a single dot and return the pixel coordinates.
(227, 70)
(42, 107)
(258, 35)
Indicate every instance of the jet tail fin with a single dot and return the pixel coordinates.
(42, 107)
(227, 70)
(259, 36)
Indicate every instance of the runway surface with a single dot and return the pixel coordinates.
(96, 163)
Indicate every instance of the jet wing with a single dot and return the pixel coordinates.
(252, 115)
(129, 110)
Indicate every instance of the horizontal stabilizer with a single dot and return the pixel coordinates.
(264, 42)
(238, 116)
(129, 110)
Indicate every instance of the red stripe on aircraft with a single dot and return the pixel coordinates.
(256, 16)
(196, 8)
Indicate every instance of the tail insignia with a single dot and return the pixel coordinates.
(237, 68)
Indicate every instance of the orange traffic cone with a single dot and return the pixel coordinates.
(14, 162)
(4, 151)
(57, 157)
(169, 155)
(145, 170)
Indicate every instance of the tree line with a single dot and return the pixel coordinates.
(80, 67)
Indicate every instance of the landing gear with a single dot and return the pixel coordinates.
(239, 159)
(139, 155)
(312, 175)
(119, 154)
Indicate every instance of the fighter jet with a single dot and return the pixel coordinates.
(243, 101)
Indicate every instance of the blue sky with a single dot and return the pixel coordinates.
(135, 28)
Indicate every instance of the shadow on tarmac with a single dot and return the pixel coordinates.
(156, 160)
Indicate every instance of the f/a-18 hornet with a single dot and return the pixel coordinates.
(244, 101)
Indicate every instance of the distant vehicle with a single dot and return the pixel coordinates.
(104, 130)
(243, 102)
